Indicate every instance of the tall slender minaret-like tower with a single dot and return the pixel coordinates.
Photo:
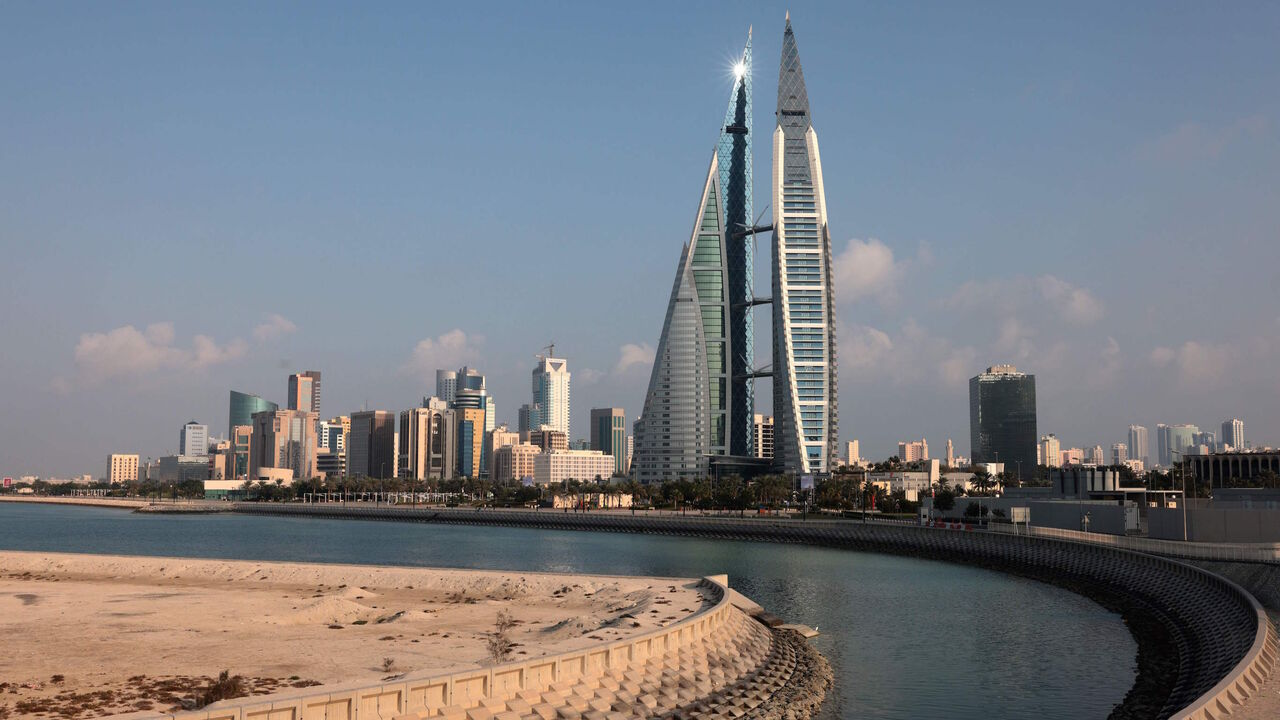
(804, 335)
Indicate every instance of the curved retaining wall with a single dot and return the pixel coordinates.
(1224, 642)
(716, 663)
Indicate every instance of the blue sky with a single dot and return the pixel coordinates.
(195, 198)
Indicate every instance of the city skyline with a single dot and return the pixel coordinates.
(951, 253)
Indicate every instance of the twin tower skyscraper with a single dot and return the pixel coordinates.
(700, 403)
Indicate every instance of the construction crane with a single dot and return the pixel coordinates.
(548, 351)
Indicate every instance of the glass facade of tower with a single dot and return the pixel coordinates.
(242, 407)
(733, 155)
(699, 401)
(1002, 419)
(804, 345)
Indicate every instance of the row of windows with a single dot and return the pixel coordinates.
(713, 320)
(710, 286)
(708, 249)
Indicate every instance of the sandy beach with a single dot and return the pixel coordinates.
(88, 635)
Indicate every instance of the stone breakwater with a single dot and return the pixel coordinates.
(720, 663)
(1205, 645)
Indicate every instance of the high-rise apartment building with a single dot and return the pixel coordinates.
(371, 444)
(550, 406)
(1233, 434)
(762, 442)
(804, 323)
(1002, 419)
(1050, 454)
(242, 408)
(609, 435)
(1119, 453)
(1138, 448)
(951, 454)
(495, 440)
(913, 450)
(426, 442)
(193, 440)
(1094, 456)
(304, 391)
(853, 453)
(122, 468)
(284, 440)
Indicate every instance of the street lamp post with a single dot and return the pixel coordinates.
(1183, 476)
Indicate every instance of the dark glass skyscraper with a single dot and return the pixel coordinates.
(242, 407)
(1002, 419)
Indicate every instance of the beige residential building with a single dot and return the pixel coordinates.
(549, 440)
(283, 440)
(512, 463)
(495, 440)
(122, 468)
(913, 451)
(426, 444)
(555, 467)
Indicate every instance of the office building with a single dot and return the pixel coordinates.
(283, 440)
(122, 468)
(1119, 454)
(631, 449)
(1138, 448)
(762, 430)
(1172, 442)
(193, 439)
(609, 435)
(470, 438)
(178, 469)
(241, 411)
(699, 399)
(446, 385)
(426, 442)
(523, 417)
(913, 451)
(304, 391)
(330, 464)
(514, 463)
(951, 454)
(550, 406)
(1002, 419)
(1205, 438)
(804, 344)
(586, 466)
(1233, 434)
(371, 444)
(494, 440)
(222, 461)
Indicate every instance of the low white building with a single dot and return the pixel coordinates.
(558, 466)
(592, 501)
(911, 482)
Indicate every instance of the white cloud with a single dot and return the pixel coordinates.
(1193, 141)
(449, 350)
(865, 269)
(127, 353)
(912, 356)
(587, 376)
(1197, 364)
(631, 355)
(275, 326)
(1075, 304)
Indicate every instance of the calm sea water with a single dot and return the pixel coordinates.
(907, 638)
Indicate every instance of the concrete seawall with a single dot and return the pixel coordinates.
(1205, 644)
(719, 663)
